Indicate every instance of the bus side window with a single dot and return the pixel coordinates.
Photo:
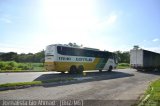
(69, 51)
(61, 49)
(92, 53)
(110, 55)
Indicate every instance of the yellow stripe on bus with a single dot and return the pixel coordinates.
(65, 66)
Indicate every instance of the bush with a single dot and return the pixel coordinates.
(41, 65)
(124, 64)
(24, 66)
(12, 65)
(8, 67)
(2, 65)
(37, 64)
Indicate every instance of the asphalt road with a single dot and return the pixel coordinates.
(21, 76)
(127, 84)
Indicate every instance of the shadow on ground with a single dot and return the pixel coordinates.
(92, 76)
(150, 72)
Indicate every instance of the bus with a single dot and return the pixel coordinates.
(64, 58)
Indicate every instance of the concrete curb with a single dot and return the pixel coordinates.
(44, 84)
(18, 87)
(21, 71)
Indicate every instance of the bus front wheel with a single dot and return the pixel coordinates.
(73, 70)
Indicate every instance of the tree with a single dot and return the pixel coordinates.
(30, 57)
(123, 57)
(10, 56)
(70, 44)
(74, 45)
(135, 47)
(39, 57)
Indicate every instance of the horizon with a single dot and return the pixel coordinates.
(112, 25)
(82, 48)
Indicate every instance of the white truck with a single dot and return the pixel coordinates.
(144, 60)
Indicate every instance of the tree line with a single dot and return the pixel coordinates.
(123, 57)
(30, 57)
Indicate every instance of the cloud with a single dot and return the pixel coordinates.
(155, 40)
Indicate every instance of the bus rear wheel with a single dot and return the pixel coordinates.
(110, 68)
(80, 69)
(73, 70)
(62, 72)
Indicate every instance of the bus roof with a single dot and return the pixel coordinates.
(86, 48)
(65, 45)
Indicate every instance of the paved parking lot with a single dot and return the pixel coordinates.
(126, 84)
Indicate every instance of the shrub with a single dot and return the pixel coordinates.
(2, 65)
(12, 64)
(24, 66)
(124, 64)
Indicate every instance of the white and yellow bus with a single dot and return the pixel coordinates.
(64, 58)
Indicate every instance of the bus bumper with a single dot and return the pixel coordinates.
(50, 66)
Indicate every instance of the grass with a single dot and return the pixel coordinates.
(35, 82)
(12, 66)
(5, 71)
(123, 65)
(37, 66)
(20, 84)
(153, 94)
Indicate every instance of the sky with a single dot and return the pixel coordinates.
(28, 26)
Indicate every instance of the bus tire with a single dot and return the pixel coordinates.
(62, 72)
(139, 70)
(110, 68)
(73, 70)
(100, 70)
(80, 69)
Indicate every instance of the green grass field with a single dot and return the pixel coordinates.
(12, 66)
(123, 65)
(152, 95)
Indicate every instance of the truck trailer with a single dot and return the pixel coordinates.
(144, 60)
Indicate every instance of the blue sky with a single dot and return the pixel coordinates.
(30, 25)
